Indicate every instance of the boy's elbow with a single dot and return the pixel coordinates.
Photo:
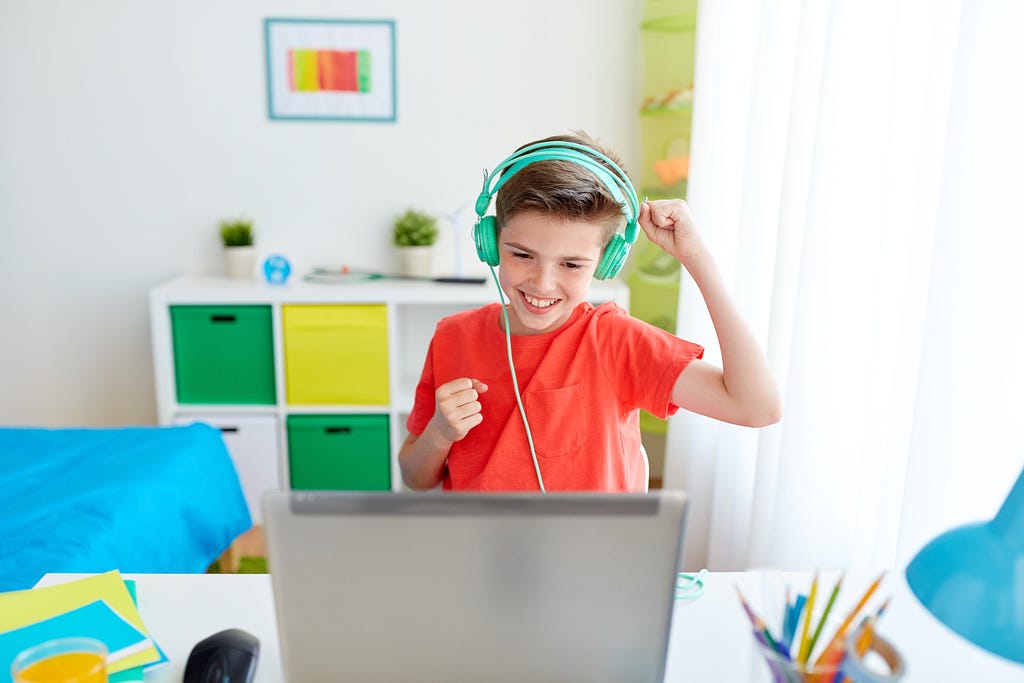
(411, 482)
(413, 485)
(768, 414)
(768, 419)
(760, 411)
(409, 477)
(415, 479)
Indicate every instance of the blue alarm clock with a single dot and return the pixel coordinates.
(276, 269)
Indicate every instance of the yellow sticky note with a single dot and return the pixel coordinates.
(20, 608)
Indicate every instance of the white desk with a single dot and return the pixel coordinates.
(710, 640)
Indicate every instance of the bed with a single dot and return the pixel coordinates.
(137, 499)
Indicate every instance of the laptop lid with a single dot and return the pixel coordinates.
(474, 587)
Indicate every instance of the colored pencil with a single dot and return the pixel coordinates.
(794, 618)
(867, 634)
(867, 629)
(802, 652)
(828, 664)
(824, 616)
(760, 626)
(787, 612)
(841, 632)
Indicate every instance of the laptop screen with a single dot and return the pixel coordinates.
(496, 587)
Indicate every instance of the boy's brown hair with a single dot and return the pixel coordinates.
(562, 189)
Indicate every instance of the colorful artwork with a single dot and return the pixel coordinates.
(322, 70)
(331, 69)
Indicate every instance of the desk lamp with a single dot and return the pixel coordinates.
(972, 578)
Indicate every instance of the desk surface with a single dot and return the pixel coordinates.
(710, 638)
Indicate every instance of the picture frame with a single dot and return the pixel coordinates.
(331, 69)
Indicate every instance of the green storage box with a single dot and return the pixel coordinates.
(223, 354)
(339, 452)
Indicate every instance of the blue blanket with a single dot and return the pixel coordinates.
(138, 499)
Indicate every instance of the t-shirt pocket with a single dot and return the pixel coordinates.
(559, 421)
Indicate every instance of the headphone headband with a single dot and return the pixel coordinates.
(614, 179)
(608, 173)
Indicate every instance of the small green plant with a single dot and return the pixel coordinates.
(236, 233)
(415, 229)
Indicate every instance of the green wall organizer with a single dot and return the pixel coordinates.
(669, 47)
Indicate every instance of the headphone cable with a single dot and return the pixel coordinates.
(515, 382)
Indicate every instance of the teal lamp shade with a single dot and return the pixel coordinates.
(972, 579)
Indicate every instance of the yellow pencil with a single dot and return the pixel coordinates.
(804, 652)
(841, 632)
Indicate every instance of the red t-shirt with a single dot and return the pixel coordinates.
(582, 386)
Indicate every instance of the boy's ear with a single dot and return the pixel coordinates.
(485, 238)
(613, 258)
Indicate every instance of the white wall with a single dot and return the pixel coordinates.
(128, 130)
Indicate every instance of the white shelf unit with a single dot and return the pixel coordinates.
(413, 308)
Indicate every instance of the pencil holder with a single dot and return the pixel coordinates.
(783, 669)
(851, 669)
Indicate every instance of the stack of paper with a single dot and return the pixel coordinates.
(101, 606)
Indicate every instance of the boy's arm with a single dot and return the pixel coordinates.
(422, 458)
(743, 390)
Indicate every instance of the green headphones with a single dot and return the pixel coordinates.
(485, 232)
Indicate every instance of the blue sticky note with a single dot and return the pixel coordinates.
(135, 674)
(94, 620)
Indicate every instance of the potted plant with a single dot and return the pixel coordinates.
(239, 252)
(414, 235)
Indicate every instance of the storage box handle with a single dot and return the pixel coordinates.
(222, 318)
(229, 430)
(337, 430)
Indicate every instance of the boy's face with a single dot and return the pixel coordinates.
(546, 265)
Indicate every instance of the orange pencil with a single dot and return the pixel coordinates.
(828, 663)
(837, 639)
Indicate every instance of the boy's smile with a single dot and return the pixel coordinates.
(545, 269)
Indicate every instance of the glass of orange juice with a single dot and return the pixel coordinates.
(65, 660)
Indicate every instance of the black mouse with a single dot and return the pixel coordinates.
(228, 656)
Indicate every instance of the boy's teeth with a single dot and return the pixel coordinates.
(540, 303)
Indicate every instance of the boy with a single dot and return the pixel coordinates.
(583, 372)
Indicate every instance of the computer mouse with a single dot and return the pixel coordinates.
(227, 656)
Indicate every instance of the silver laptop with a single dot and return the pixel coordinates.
(410, 587)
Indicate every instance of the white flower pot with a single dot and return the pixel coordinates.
(240, 262)
(416, 261)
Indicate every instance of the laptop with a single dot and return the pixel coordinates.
(418, 587)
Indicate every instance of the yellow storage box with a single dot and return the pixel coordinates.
(335, 354)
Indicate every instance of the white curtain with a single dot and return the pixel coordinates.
(855, 170)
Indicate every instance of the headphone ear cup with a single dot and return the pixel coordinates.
(485, 237)
(613, 258)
